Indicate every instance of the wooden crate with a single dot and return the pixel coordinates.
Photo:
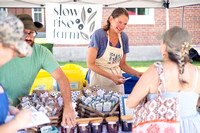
(87, 112)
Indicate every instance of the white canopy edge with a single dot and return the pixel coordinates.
(178, 3)
(105, 3)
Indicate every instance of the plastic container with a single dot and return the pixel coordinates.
(96, 126)
(54, 130)
(112, 124)
(75, 74)
(43, 81)
(126, 123)
(83, 126)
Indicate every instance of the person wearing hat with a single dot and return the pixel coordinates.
(20, 73)
(12, 44)
(181, 79)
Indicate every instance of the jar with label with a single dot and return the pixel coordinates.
(96, 125)
(126, 122)
(67, 129)
(83, 126)
(112, 124)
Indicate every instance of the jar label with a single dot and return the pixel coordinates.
(95, 124)
(112, 122)
(82, 124)
(131, 121)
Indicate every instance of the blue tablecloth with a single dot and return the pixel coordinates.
(129, 84)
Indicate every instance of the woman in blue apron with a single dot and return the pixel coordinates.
(107, 53)
(11, 32)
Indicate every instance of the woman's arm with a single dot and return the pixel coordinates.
(22, 119)
(143, 87)
(126, 68)
(91, 57)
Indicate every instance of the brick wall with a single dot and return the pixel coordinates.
(141, 35)
(26, 11)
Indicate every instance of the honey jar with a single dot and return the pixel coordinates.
(112, 124)
(96, 125)
(126, 122)
(83, 126)
(67, 129)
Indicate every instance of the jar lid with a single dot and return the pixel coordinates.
(127, 117)
(112, 118)
(97, 120)
(83, 122)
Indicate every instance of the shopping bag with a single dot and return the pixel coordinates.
(159, 115)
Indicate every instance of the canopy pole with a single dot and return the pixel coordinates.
(167, 19)
(182, 17)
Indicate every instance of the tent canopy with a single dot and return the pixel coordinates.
(105, 3)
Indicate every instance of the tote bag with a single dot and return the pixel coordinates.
(160, 115)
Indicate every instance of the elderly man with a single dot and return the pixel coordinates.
(18, 75)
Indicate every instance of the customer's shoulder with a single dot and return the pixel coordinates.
(39, 47)
(40, 50)
(152, 69)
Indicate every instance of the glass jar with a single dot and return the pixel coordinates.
(126, 122)
(96, 126)
(112, 124)
(67, 129)
(83, 126)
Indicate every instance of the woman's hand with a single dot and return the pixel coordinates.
(117, 79)
(13, 110)
(22, 118)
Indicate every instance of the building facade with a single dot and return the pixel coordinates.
(143, 26)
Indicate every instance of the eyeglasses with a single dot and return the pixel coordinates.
(31, 34)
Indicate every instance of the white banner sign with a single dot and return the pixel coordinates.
(71, 24)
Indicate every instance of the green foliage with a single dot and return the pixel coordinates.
(80, 63)
(47, 45)
(197, 63)
(138, 65)
(141, 11)
(141, 66)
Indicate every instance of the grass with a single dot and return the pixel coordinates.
(137, 65)
(80, 63)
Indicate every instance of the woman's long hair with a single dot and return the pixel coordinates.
(116, 13)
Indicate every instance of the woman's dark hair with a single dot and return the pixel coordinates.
(116, 13)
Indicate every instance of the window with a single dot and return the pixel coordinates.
(3, 9)
(38, 15)
(141, 15)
